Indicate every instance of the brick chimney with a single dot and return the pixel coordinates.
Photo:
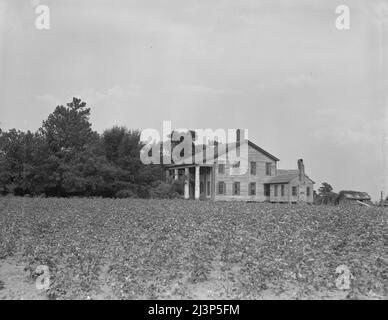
(215, 155)
(239, 140)
(301, 171)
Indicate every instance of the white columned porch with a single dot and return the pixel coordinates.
(196, 193)
(187, 177)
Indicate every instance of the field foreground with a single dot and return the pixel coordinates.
(175, 249)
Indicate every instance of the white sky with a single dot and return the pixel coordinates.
(281, 69)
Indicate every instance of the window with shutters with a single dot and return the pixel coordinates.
(252, 188)
(221, 187)
(236, 188)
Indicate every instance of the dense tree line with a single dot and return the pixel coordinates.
(65, 157)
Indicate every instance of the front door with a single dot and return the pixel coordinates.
(205, 183)
(267, 191)
(191, 189)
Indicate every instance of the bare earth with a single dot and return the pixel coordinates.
(15, 283)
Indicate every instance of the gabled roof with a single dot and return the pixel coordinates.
(257, 148)
(354, 195)
(232, 146)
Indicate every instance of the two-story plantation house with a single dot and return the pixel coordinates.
(261, 180)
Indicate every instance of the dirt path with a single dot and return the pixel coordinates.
(15, 283)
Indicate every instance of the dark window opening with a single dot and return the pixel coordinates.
(236, 164)
(221, 187)
(236, 188)
(268, 168)
(252, 188)
(267, 190)
(253, 168)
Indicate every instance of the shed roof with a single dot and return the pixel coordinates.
(354, 195)
(286, 178)
(283, 178)
(286, 171)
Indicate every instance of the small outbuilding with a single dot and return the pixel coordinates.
(346, 197)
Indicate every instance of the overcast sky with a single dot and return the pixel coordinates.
(281, 69)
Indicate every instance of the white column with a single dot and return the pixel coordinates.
(187, 194)
(196, 194)
(176, 174)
